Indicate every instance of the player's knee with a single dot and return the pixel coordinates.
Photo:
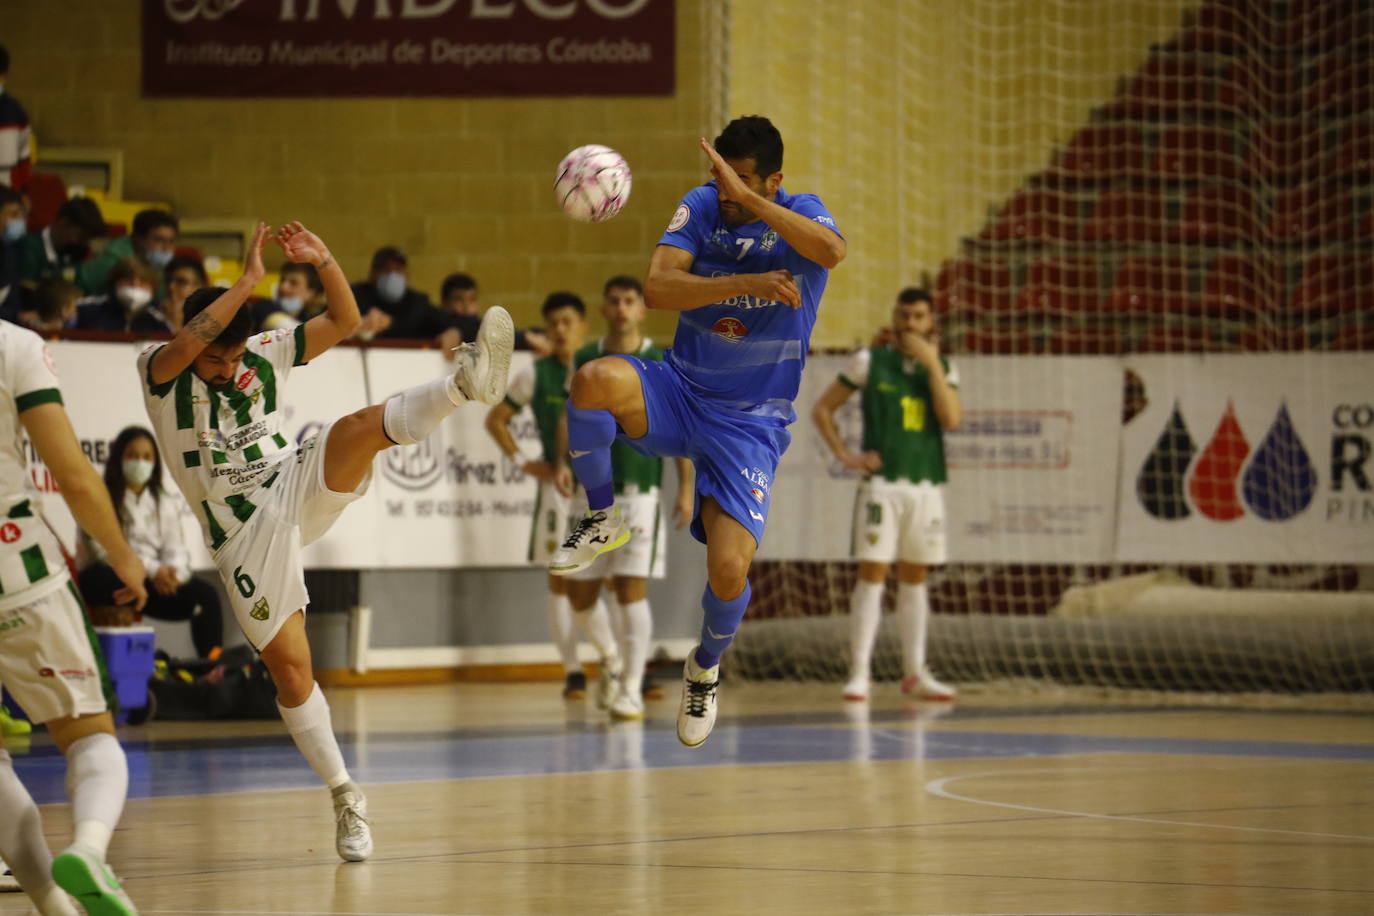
(595, 384)
(728, 576)
(293, 679)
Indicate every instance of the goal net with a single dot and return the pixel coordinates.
(1147, 229)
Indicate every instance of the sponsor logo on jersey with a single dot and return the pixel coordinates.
(680, 218)
(47, 361)
(261, 610)
(824, 220)
(757, 476)
(247, 379)
(730, 329)
(757, 494)
(266, 337)
(769, 240)
(9, 532)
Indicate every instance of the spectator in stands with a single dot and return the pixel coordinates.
(458, 296)
(151, 519)
(54, 307)
(391, 308)
(152, 241)
(60, 249)
(15, 133)
(182, 277)
(13, 225)
(300, 297)
(128, 305)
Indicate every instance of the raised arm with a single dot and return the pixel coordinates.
(85, 494)
(944, 396)
(498, 425)
(823, 415)
(173, 359)
(341, 316)
(672, 286)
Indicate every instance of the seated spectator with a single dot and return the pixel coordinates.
(391, 308)
(182, 277)
(151, 519)
(13, 220)
(458, 296)
(127, 306)
(152, 241)
(60, 249)
(54, 307)
(300, 297)
(15, 133)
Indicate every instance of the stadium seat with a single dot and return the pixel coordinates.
(1326, 288)
(1352, 336)
(1217, 216)
(1150, 286)
(1331, 25)
(1261, 86)
(1036, 216)
(1102, 152)
(1223, 29)
(1178, 337)
(983, 285)
(1239, 289)
(1166, 87)
(1128, 216)
(1283, 151)
(1060, 286)
(996, 342)
(1086, 342)
(1355, 156)
(1343, 84)
(1198, 153)
(1312, 214)
(47, 193)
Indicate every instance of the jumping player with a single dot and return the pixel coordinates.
(746, 263)
(910, 399)
(214, 396)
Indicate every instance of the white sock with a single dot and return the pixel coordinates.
(563, 633)
(595, 625)
(21, 838)
(865, 613)
(639, 628)
(616, 616)
(313, 731)
(913, 615)
(409, 417)
(97, 782)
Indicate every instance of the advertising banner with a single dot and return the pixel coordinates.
(1249, 458)
(295, 48)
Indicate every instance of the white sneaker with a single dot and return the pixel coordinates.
(84, 875)
(8, 882)
(628, 705)
(696, 715)
(608, 681)
(856, 691)
(924, 686)
(600, 531)
(352, 830)
(484, 366)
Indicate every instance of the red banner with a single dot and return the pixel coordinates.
(250, 48)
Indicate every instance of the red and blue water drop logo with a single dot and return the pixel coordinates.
(1212, 485)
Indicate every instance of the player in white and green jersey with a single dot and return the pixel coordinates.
(49, 660)
(215, 396)
(636, 478)
(909, 400)
(542, 387)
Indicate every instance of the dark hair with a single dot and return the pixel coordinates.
(913, 294)
(389, 253)
(622, 281)
(83, 213)
(752, 137)
(114, 468)
(183, 263)
(4, 60)
(131, 269)
(9, 195)
(145, 221)
(50, 295)
(562, 300)
(312, 276)
(456, 281)
(239, 329)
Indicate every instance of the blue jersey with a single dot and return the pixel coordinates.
(745, 352)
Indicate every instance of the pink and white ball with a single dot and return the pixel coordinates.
(593, 183)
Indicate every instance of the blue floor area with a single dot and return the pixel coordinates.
(171, 768)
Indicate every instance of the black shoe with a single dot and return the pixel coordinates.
(575, 686)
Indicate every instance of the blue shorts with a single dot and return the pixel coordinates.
(735, 453)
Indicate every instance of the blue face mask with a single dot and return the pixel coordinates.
(159, 257)
(391, 286)
(15, 229)
(291, 305)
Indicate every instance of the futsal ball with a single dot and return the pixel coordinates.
(593, 183)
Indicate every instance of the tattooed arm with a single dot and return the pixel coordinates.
(201, 331)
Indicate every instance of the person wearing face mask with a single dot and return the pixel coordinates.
(183, 276)
(300, 297)
(391, 308)
(13, 227)
(153, 241)
(59, 250)
(16, 135)
(151, 519)
(127, 306)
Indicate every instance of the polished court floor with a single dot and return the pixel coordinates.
(503, 799)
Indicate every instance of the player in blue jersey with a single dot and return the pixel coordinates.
(745, 263)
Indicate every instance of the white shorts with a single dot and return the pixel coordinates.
(261, 565)
(550, 526)
(48, 660)
(901, 521)
(644, 556)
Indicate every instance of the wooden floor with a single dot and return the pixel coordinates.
(506, 800)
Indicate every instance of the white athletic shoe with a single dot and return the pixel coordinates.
(924, 686)
(856, 691)
(696, 715)
(353, 831)
(484, 366)
(82, 873)
(8, 882)
(608, 681)
(598, 532)
(628, 706)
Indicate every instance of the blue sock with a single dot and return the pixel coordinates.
(718, 629)
(590, 434)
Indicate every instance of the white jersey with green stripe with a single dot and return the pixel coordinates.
(222, 443)
(31, 563)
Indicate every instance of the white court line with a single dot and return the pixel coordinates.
(937, 787)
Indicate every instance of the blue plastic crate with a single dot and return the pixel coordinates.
(129, 658)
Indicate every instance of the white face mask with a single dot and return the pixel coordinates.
(137, 471)
(133, 297)
(15, 229)
(391, 286)
(291, 305)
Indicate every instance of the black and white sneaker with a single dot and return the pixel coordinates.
(599, 531)
(696, 715)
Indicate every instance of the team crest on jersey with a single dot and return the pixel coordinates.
(730, 329)
(769, 240)
(9, 532)
(757, 494)
(872, 537)
(247, 378)
(266, 337)
(680, 218)
(261, 610)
